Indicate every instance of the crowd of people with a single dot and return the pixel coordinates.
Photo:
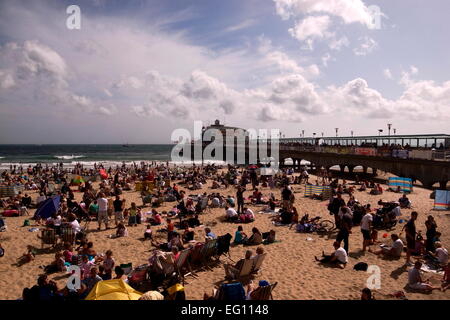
(102, 201)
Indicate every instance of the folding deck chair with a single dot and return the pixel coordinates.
(209, 250)
(244, 271)
(263, 293)
(48, 236)
(182, 264)
(258, 261)
(67, 235)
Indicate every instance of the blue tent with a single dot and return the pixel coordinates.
(48, 207)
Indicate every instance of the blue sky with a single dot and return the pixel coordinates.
(137, 70)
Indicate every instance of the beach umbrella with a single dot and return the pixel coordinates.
(103, 174)
(253, 166)
(48, 207)
(78, 180)
(115, 289)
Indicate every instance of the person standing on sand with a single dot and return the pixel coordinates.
(102, 211)
(410, 229)
(334, 207)
(345, 227)
(366, 225)
(240, 199)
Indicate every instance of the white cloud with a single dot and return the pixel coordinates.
(240, 26)
(311, 27)
(387, 74)
(349, 10)
(405, 79)
(338, 44)
(367, 46)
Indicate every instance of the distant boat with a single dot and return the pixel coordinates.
(125, 145)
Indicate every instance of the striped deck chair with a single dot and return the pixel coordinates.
(263, 293)
(183, 267)
(67, 235)
(48, 236)
(209, 250)
(244, 271)
(258, 261)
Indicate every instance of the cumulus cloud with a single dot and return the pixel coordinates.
(311, 27)
(367, 46)
(349, 11)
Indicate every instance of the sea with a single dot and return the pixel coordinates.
(86, 154)
(109, 155)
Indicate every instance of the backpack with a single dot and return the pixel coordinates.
(361, 266)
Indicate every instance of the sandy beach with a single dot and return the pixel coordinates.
(290, 261)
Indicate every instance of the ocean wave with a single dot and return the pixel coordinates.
(65, 157)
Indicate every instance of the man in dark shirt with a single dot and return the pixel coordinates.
(240, 199)
(334, 207)
(410, 230)
(345, 227)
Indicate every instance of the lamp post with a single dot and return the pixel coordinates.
(337, 129)
(395, 131)
(380, 131)
(303, 133)
(322, 134)
(352, 133)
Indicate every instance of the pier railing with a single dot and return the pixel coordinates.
(375, 152)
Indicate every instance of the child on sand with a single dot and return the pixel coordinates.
(133, 212)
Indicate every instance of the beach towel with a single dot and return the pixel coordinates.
(442, 200)
(405, 184)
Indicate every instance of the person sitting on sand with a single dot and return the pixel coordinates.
(339, 256)
(255, 238)
(440, 256)
(395, 251)
(247, 216)
(91, 280)
(239, 236)
(404, 202)
(108, 264)
(175, 241)
(57, 265)
(120, 274)
(209, 235)
(189, 233)
(231, 214)
(148, 232)
(231, 271)
(28, 256)
(85, 266)
(68, 252)
(415, 281)
(121, 230)
(269, 237)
